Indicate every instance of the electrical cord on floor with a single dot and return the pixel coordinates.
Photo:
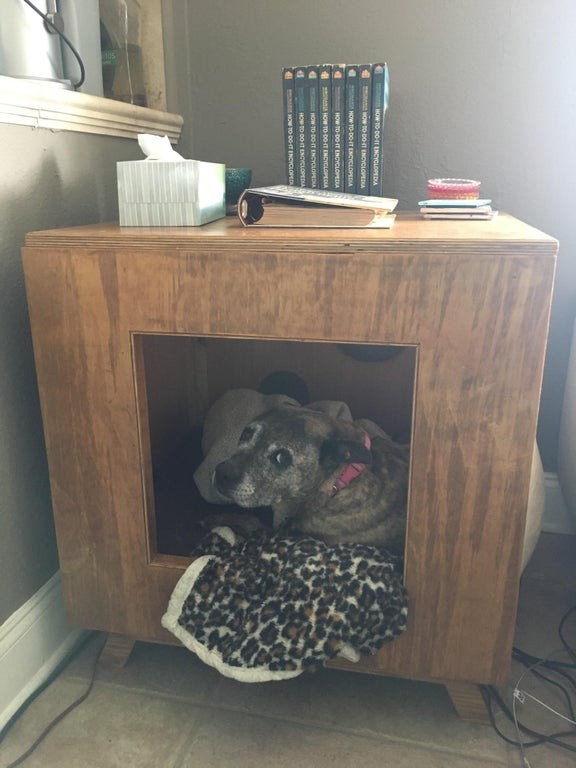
(534, 665)
(53, 723)
(569, 649)
(490, 694)
(533, 662)
(64, 39)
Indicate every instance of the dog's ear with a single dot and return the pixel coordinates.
(336, 451)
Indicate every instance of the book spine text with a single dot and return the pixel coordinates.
(364, 119)
(289, 137)
(338, 126)
(325, 133)
(300, 144)
(379, 105)
(351, 128)
(312, 126)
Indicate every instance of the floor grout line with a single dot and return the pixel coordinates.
(437, 740)
(207, 705)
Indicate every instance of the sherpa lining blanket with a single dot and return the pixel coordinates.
(268, 607)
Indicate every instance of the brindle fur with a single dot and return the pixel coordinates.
(290, 458)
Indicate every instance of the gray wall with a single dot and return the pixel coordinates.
(48, 180)
(482, 90)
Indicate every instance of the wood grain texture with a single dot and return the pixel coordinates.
(117, 650)
(473, 299)
(468, 702)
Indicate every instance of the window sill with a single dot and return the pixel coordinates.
(45, 105)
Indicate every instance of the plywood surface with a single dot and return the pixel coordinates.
(473, 299)
(409, 232)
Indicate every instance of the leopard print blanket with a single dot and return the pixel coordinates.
(269, 607)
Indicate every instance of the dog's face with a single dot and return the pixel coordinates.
(287, 454)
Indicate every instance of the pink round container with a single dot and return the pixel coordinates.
(453, 189)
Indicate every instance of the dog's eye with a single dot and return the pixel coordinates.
(281, 459)
(247, 434)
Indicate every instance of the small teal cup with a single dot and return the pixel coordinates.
(237, 180)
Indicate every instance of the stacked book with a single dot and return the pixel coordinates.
(334, 126)
(457, 209)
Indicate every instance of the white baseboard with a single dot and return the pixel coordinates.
(557, 518)
(33, 642)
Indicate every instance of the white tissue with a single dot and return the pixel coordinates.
(157, 147)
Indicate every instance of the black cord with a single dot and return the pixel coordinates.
(532, 662)
(559, 668)
(75, 650)
(76, 703)
(491, 695)
(65, 40)
(528, 659)
(566, 645)
(556, 684)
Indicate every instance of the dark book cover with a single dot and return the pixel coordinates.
(300, 127)
(351, 134)
(324, 127)
(363, 128)
(338, 126)
(379, 106)
(312, 126)
(289, 115)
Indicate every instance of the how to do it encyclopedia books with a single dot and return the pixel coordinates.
(334, 126)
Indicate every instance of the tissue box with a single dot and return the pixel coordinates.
(170, 193)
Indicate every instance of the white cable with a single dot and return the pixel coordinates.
(520, 695)
(525, 761)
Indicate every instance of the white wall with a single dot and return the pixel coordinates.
(482, 90)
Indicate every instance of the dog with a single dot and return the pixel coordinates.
(323, 477)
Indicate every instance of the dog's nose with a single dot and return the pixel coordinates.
(226, 476)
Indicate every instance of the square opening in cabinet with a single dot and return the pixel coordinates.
(180, 377)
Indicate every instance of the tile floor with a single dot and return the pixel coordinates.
(166, 709)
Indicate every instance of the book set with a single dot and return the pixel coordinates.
(457, 209)
(334, 126)
(333, 133)
(456, 199)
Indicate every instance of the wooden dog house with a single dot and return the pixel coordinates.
(137, 331)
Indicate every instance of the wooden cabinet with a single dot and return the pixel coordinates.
(137, 331)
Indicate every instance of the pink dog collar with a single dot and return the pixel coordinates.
(352, 470)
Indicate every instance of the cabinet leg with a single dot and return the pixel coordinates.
(468, 701)
(117, 650)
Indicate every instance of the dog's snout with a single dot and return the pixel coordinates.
(226, 476)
